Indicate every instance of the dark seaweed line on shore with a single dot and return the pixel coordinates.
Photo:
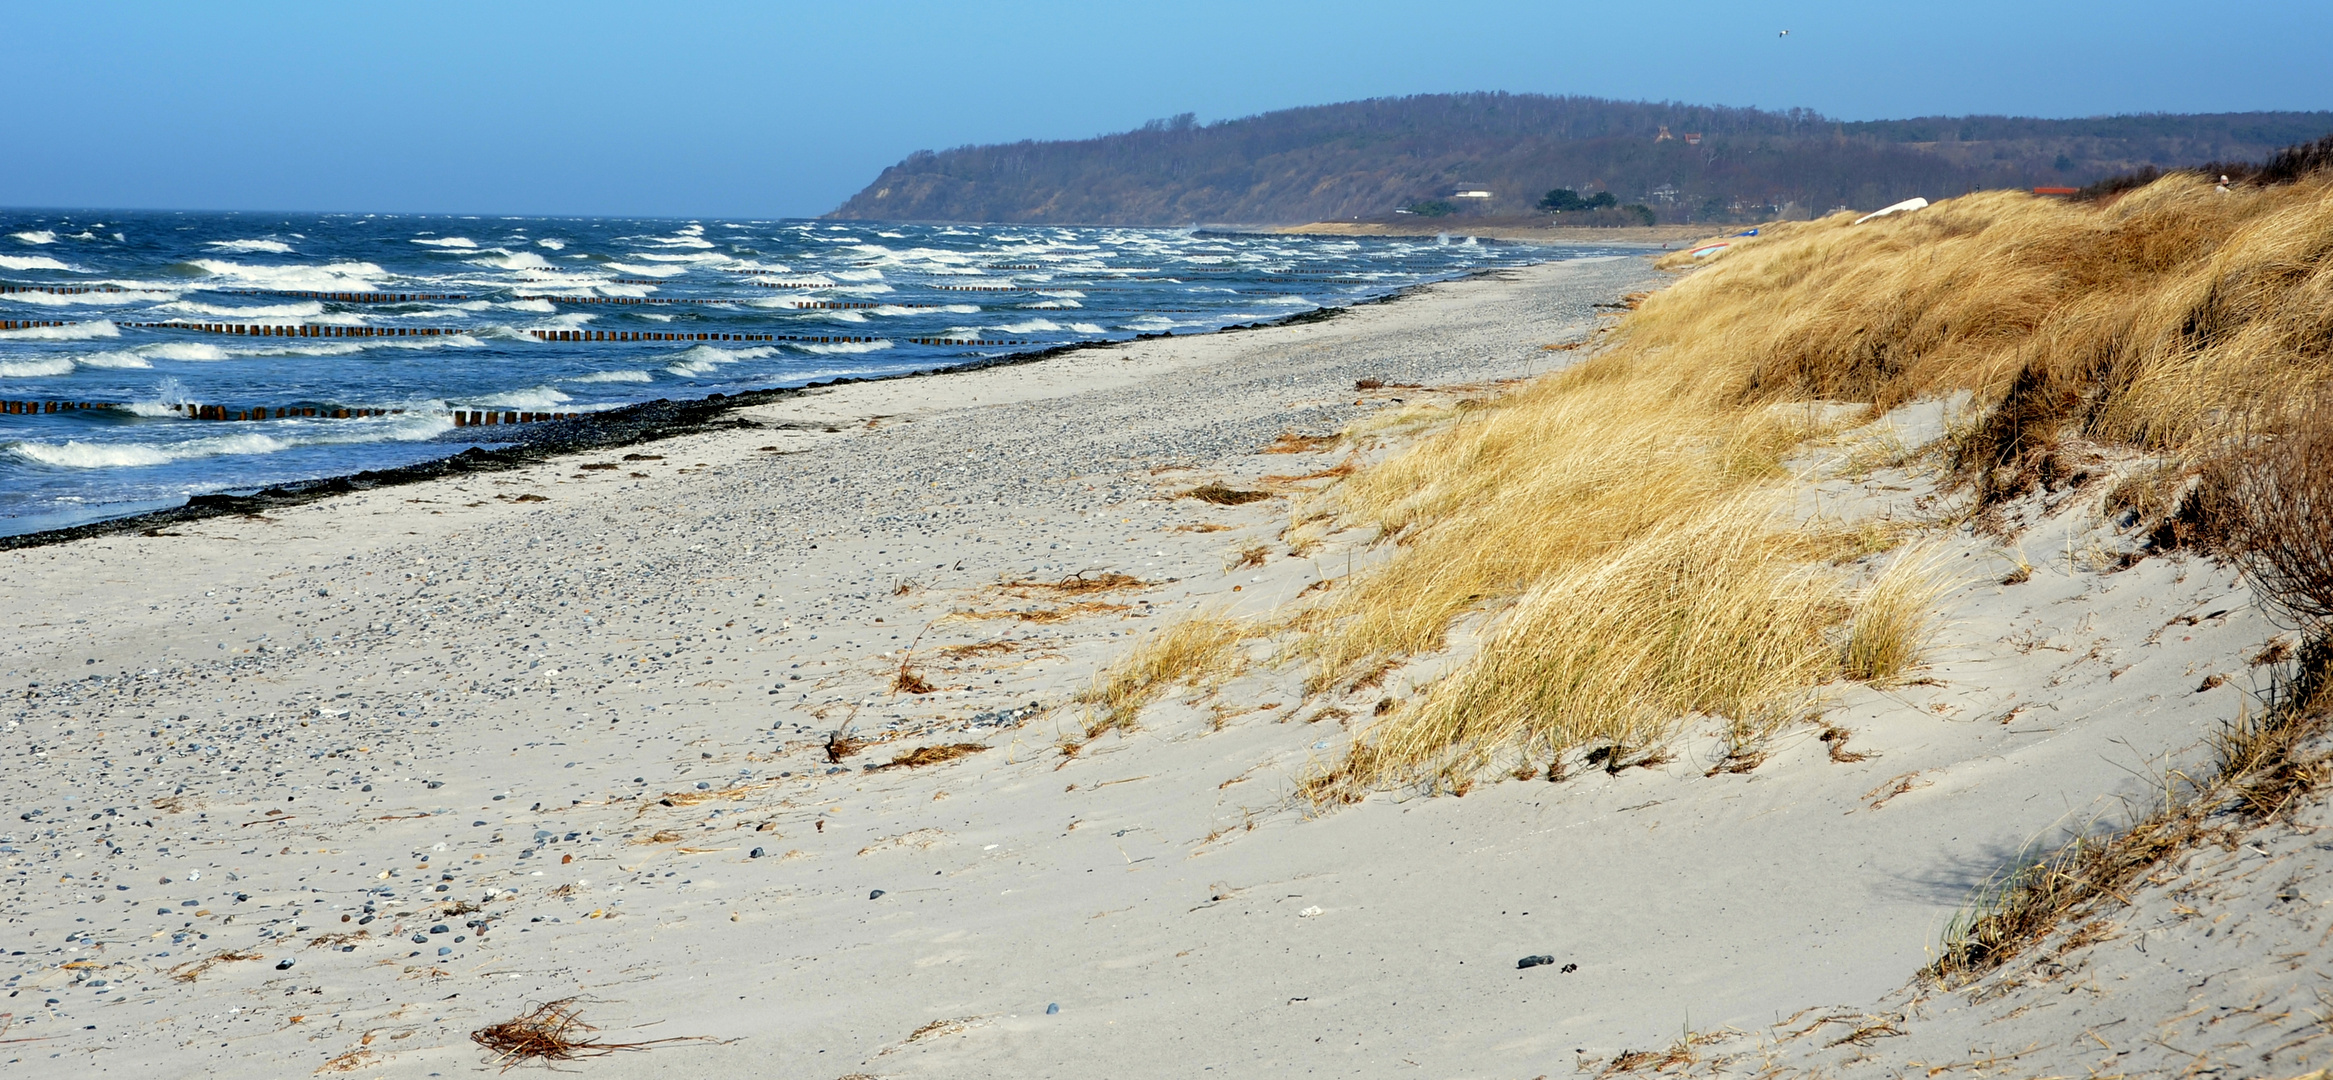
(631, 425)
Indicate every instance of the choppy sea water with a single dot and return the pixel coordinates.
(299, 318)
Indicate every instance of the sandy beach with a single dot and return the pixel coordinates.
(328, 789)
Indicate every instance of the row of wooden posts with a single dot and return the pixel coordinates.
(462, 417)
(307, 331)
(803, 339)
(18, 408)
(349, 297)
(312, 331)
(192, 411)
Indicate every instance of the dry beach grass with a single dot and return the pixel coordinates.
(1623, 518)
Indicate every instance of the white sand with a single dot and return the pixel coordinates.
(504, 676)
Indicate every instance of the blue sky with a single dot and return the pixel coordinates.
(778, 109)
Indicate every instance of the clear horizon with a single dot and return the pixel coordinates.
(766, 112)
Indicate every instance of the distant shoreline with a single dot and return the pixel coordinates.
(1530, 229)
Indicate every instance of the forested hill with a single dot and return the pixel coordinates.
(1365, 159)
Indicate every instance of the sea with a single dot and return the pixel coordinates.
(156, 356)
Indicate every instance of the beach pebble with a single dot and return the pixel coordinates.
(284, 964)
(1534, 961)
(876, 895)
(754, 854)
(1052, 1008)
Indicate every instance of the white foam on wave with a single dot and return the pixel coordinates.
(265, 311)
(446, 242)
(654, 257)
(1029, 326)
(846, 347)
(464, 340)
(25, 369)
(34, 236)
(651, 271)
(842, 316)
(30, 262)
(55, 300)
(615, 376)
(858, 275)
(961, 309)
(183, 350)
(1086, 328)
(1052, 304)
(700, 359)
(74, 454)
(1066, 294)
(533, 397)
(240, 247)
(541, 306)
(555, 245)
(113, 360)
(513, 260)
(202, 351)
(329, 277)
(80, 331)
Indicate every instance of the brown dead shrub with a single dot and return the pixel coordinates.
(2277, 502)
(934, 755)
(194, 969)
(1290, 442)
(1221, 495)
(551, 1031)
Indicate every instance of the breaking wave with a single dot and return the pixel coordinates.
(237, 247)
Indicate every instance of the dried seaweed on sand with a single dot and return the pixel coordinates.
(553, 1031)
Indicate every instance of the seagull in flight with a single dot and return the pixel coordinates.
(1785, 33)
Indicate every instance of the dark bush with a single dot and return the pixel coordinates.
(2283, 167)
(2277, 501)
